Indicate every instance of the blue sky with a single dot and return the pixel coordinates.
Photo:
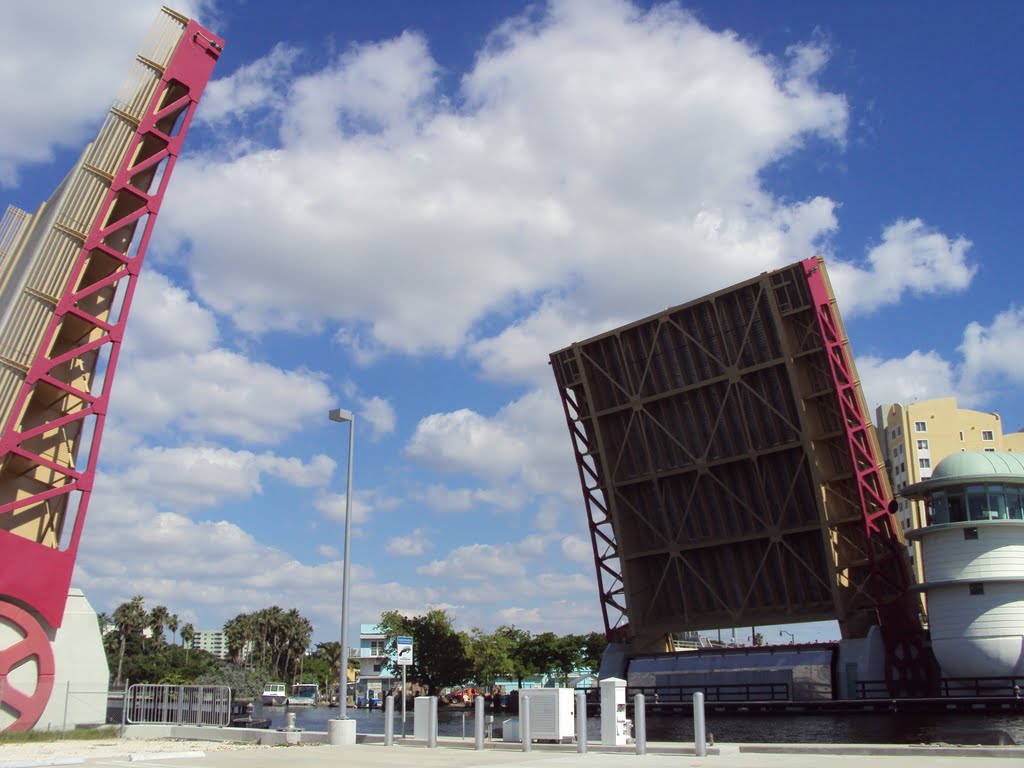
(401, 208)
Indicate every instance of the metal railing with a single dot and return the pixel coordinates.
(954, 687)
(720, 692)
(178, 704)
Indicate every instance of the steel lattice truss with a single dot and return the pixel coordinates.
(69, 285)
(729, 473)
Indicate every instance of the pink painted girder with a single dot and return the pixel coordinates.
(32, 574)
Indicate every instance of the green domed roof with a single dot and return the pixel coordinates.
(975, 463)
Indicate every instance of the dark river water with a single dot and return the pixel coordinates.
(852, 728)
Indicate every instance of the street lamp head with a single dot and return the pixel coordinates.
(340, 414)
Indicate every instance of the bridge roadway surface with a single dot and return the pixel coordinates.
(454, 753)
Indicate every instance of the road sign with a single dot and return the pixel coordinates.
(403, 646)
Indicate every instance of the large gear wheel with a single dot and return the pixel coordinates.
(24, 703)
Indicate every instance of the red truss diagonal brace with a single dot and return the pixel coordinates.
(602, 534)
(910, 668)
(873, 498)
(181, 85)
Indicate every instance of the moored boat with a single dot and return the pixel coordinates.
(274, 695)
(304, 695)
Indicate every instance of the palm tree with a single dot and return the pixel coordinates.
(172, 624)
(188, 634)
(250, 631)
(270, 622)
(158, 619)
(295, 635)
(129, 618)
(233, 634)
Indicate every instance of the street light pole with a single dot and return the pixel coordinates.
(341, 415)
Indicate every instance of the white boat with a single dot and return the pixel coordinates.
(274, 695)
(304, 695)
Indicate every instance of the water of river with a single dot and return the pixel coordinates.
(852, 728)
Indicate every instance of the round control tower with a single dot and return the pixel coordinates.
(972, 550)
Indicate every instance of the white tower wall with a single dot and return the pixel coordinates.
(81, 673)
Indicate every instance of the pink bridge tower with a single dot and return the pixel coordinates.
(67, 277)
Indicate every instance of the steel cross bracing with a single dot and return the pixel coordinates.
(688, 438)
(728, 469)
(52, 435)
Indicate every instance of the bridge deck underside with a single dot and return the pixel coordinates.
(709, 435)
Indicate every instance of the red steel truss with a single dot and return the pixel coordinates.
(85, 333)
(910, 666)
(602, 532)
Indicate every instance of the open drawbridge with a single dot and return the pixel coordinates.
(731, 476)
(67, 277)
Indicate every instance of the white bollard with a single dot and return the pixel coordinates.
(524, 722)
(700, 745)
(581, 723)
(478, 721)
(389, 721)
(640, 724)
(432, 736)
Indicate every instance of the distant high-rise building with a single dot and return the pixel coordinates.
(915, 437)
(213, 641)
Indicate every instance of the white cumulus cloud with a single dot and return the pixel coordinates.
(912, 258)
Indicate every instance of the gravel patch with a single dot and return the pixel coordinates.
(114, 747)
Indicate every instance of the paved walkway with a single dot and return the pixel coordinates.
(456, 754)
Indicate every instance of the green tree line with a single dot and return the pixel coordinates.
(273, 644)
(269, 644)
(445, 657)
(138, 651)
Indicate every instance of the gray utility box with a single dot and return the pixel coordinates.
(552, 713)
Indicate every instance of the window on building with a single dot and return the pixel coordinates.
(924, 463)
(977, 503)
(920, 426)
(376, 647)
(961, 435)
(976, 588)
(957, 513)
(990, 450)
(970, 533)
(922, 445)
(987, 434)
(376, 668)
(1014, 506)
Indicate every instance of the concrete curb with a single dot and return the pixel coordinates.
(310, 738)
(163, 756)
(41, 763)
(884, 750)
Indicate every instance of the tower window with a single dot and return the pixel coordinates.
(920, 426)
(970, 533)
(986, 434)
(976, 588)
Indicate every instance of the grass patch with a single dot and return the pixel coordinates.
(75, 734)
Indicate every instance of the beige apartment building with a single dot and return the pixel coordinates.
(915, 437)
